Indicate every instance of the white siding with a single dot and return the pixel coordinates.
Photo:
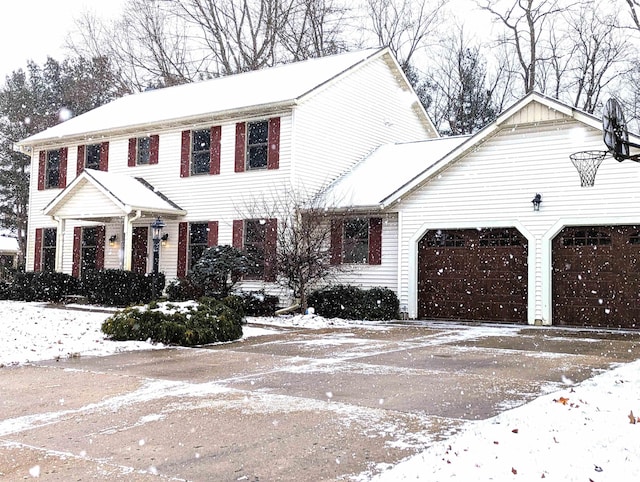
(494, 185)
(344, 122)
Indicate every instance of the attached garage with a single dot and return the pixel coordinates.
(473, 274)
(596, 276)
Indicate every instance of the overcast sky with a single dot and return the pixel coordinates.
(34, 29)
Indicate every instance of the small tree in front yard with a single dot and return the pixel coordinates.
(219, 269)
(303, 238)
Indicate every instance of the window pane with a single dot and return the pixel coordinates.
(198, 241)
(200, 153)
(92, 160)
(257, 144)
(144, 150)
(254, 246)
(356, 241)
(49, 249)
(53, 169)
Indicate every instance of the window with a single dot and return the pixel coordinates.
(587, 237)
(92, 157)
(493, 238)
(49, 249)
(257, 144)
(443, 239)
(52, 174)
(355, 241)
(198, 241)
(254, 245)
(89, 252)
(143, 150)
(200, 151)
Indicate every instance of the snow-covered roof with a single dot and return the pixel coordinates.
(265, 88)
(8, 244)
(128, 193)
(386, 170)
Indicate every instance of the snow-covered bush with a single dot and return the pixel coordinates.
(183, 289)
(186, 324)
(219, 269)
(353, 303)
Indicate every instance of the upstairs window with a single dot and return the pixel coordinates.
(257, 144)
(93, 156)
(52, 169)
(143, 150)
(200, 152)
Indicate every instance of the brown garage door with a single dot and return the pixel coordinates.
(473, 274)
(596, 276)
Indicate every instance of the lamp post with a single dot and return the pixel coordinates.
(156, 230)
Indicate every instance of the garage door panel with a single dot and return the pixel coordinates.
(482, 277)
(595, 276)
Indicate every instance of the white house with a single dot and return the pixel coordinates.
(464, 241)
(193, 154)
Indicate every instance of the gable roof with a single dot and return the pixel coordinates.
(377, 176)
(127, 193)
(274, 88)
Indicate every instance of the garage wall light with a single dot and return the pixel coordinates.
(537, 200)
(112, 240)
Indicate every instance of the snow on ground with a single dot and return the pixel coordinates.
(582, 433)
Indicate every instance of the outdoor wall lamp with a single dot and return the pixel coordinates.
(164, 238)
(537, 200)
(112, 240)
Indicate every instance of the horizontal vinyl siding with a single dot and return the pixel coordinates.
(331, 133)
(495, 184)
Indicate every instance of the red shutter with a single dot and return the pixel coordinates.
(212, 239)
(182, 250)
(273, 155)
(270, 241)
(42, 167)
(37, 254)
(238, 233)
(64, 154)
(241, 135)
(131, 159)
(185, 153)
(375, 241)
(214, 163)
(100, 235)
(154, 149)
(336, 241)
(77, 247)
(104, 156)
(80, 160)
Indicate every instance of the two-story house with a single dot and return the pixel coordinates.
(195, 154)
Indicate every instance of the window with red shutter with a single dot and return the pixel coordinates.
(64, 154)
(37, 254)
(182, 249)
(42, 168)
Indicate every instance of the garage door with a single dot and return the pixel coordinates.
(596, 276)
(473, 274)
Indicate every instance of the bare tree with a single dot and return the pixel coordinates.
(405, 26)
(524, 21)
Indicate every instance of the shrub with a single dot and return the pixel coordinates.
(218, 269)
(183, 289)
(208, 322)
(115, 287)
(353, 303)
(258, 303)
(42, 286)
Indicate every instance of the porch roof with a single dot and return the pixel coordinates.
(125, 193)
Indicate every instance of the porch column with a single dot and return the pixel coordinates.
(59, 243)
(127, 243)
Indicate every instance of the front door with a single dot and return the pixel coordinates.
(139, 252)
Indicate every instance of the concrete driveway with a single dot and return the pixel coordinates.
(300, 405)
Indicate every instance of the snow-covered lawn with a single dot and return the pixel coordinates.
(581, 433)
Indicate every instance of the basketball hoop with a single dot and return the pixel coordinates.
(587, 164)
